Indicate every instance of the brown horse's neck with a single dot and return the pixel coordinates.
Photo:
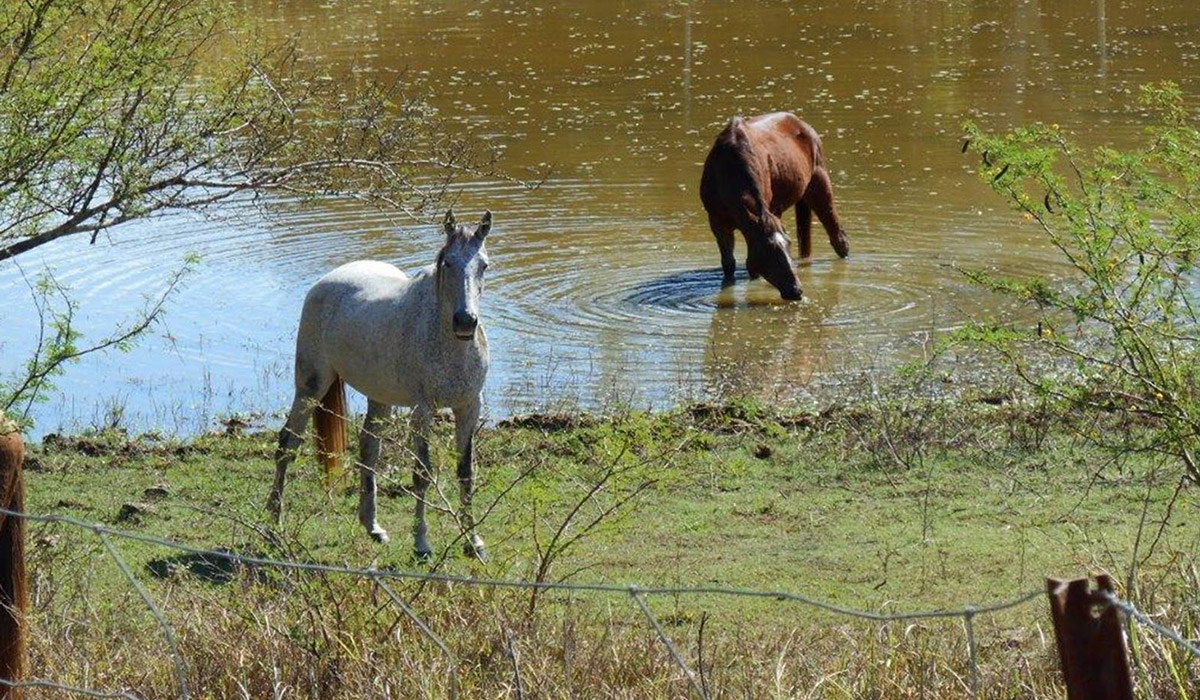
(13, 586)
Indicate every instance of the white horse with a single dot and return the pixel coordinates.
(402, 341)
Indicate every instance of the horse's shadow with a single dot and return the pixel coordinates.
(204, 566)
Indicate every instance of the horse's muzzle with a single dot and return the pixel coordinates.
(465, 323)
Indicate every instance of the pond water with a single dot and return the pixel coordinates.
(605, 282)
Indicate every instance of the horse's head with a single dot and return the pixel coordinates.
(768, 256)
(460, 266)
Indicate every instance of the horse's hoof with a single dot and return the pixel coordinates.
(422, 556)
(379, 535)
(476, 552)
(726, 282)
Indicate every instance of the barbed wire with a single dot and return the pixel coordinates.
(634, 593)
(436, 577)
(425, 629)
(1144, 620)
(41, 683)
(168, 632)
(972, 657)
(380, 577)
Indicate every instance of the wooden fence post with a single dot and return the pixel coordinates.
(13, 584)
(1091, 643)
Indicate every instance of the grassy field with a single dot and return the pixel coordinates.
(881, 508)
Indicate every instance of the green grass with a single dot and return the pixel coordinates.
(882, 509)
(819, 514)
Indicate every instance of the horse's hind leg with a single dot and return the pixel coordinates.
(368, 460)
(724, 236)
(466, 420)
(422, 420)
(819, 196)
(311, 385)
(804, 228)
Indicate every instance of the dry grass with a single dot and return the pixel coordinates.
(331, 637)
(320, 637)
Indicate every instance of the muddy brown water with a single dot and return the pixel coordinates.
(605, 282)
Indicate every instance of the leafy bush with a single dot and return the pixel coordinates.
(1120, 335)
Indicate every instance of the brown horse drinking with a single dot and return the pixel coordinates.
(756, 170)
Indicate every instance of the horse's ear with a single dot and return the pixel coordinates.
(485, 225)
(449, 223)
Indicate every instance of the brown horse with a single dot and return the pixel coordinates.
(13, 575)
(756, 170)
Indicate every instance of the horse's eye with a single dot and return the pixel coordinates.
(483, 265)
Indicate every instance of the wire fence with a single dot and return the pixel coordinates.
(638, 594)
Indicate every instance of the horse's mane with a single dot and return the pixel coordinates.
(740, 150)
(458, 234)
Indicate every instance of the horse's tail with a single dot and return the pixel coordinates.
(14, 590)
(329, 419)
(818, 153)
(808, 133)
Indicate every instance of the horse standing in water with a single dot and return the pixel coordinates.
(757, 169)
(402, 341)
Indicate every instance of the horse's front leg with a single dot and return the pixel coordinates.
(466, 420)
(422, 419)
(724, 236)
(804, 228)
(368, 461)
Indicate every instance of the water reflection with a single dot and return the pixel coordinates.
(793, 341)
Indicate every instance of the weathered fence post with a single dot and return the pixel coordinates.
(13, 584)
(1091, 643)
